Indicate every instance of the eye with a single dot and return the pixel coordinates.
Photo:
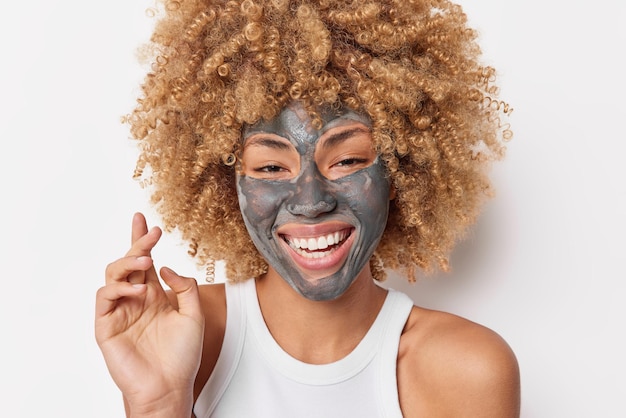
(269, 169)
(348, 162)
(345, 165)
(269, 157)
(345, 150)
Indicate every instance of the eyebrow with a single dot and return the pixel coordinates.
(340, 137)
(262, 141)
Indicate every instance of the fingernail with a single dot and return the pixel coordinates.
(139, 285)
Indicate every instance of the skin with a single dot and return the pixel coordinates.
(137, 325)
(300, 184)
(161, 347)
(447, 366)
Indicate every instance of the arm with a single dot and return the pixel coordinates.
(451, 367)
(152, 348)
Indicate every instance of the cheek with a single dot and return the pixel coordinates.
(260, 201)
(367, 193)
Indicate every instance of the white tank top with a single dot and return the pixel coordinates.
(255, 378)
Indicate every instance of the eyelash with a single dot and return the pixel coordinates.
(351, 161)
(269, 169)
(343, 163)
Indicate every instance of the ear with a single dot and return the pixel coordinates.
(392, 192)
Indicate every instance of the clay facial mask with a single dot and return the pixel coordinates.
(314, 201)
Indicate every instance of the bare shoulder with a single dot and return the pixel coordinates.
(213, 302)
(450, 366)
(213, 299)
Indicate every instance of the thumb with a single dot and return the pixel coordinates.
(186, 290)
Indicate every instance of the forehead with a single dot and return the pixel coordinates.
(295, 124)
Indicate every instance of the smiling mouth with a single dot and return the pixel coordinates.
(318, 247)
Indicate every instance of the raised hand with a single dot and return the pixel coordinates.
(151, 346)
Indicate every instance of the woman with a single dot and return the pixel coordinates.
(310, 145)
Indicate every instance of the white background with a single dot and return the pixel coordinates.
(544, 266)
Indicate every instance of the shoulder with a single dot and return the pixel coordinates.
(212, 295)
(449, 366)
(213, 302)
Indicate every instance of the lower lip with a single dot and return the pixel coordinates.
(326, 265)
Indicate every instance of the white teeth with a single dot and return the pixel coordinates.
(319, 243)
(330, 240)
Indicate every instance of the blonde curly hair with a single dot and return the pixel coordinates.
(412, 66)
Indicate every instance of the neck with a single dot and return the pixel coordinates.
(319, 332)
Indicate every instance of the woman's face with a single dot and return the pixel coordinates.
(315, 202)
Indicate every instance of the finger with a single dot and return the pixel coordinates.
(145, 243)
(142, 247)
(139, 227)
(108, 296)
(121, 270)
(186, 290)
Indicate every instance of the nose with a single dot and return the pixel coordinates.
(312, 197)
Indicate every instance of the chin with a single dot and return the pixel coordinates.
(324, 289)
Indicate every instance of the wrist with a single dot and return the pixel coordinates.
(174, 405)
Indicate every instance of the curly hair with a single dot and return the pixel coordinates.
(412, 66)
